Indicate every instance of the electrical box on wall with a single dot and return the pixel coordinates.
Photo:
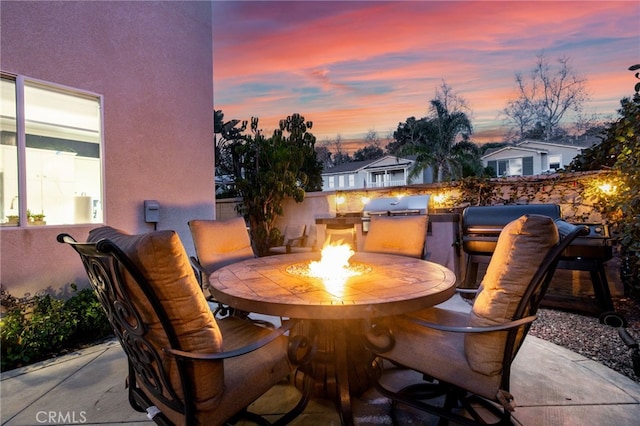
(151, 211)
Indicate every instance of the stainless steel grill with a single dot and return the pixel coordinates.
(394, 206)
(481, 226)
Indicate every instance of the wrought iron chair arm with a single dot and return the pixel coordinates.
(475, 329)
(195, 264)
(286, 326)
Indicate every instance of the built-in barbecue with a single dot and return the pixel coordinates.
(481, 226)
(394, 206)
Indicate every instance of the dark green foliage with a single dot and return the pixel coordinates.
(368, 152)
(283, 165)
(34, 329)
(433, 140)
(625, 136)
(619, 151)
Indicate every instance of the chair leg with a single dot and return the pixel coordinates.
(420, 396)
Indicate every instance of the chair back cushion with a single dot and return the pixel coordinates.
(293, 231)
(521, 248)
(402, 235)
(220, 242)
(164, 263)
(340, 236)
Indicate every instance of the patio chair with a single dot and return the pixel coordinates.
(218, 243)
(466, 354)
(294, 235)
(184, 366)
(401, 235)
(341, 235)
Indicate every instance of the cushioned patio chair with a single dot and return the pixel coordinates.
(185, 367)
(341, 236)
(401, 235)
(218, 243)
(466, 354)
(294, 236)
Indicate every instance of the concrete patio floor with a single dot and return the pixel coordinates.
(551, 385)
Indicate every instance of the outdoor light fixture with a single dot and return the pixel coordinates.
(439, 199)
(607, 188)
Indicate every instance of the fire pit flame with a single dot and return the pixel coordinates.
(334, 261)
(333, 268)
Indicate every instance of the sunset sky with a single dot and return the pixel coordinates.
(355, 66)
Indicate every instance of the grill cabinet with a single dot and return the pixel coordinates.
(481, 226)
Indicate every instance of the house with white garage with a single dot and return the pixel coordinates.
(530, 157)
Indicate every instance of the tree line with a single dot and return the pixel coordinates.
(443, 138)
(265, 169)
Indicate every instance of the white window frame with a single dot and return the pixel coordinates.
(21, 144)
(555, 158)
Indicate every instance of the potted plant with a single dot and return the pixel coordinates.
(12, 220)
(36, 219)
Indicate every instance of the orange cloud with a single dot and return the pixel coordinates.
(355, 66)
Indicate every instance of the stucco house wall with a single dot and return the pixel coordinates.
(152, 62)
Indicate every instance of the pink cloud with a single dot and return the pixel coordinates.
(355, 66)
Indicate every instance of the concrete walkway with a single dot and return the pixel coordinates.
(551, 385)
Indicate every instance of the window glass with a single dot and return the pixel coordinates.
(352, 181)
(502, 167)
(9, 201)
(555, 162)
(62, 156)
(341, 181)
(515, 167)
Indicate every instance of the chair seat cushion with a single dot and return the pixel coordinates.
(522, 246)
(162, 259)
(441, 354)
(248, 376)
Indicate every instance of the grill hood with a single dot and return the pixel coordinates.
(414, 204)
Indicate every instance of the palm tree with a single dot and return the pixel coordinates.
(433, 141)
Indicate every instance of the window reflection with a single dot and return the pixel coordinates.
(62, 162)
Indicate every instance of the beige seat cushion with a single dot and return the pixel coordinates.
(248, 376)
(161, 258)
(521, 248)
(438, 354)
(220, 242)
(401, 235)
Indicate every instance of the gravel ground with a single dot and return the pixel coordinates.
(586, 336)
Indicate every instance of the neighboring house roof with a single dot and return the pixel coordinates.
(537, 147)
(550, 144)
(515, 149)
(352, 166)
(380, 163)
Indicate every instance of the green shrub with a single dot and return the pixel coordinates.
(36, 328)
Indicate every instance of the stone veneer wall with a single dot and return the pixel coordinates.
(578, 194)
